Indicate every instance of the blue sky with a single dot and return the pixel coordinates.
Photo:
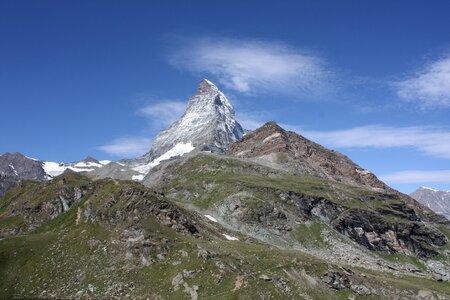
(101, 78)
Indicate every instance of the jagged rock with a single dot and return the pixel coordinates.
(265, 277)
(337, 280)
(361, 290)
(203, 254)
(177, 281)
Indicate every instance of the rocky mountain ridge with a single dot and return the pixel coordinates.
(275, 147)
(15, 167)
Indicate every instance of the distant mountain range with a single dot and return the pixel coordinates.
(15, 167)
(438, 201)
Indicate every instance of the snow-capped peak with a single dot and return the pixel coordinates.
(208, 124)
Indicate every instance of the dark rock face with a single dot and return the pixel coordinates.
(372, 231)
(392, 228)
(15, 167)
(301, 156)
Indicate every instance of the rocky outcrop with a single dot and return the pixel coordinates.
(51, 203)
(131, 202)
(373, 231)
(103, 201)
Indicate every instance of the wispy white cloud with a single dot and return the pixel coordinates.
(431, 141)
(429, 85)
(250, 121)
(252, 66)
(418, 177)
(164, 113)
(127, 147)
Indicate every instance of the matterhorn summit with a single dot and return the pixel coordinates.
(208, 124)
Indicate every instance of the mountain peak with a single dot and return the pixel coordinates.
(90, 159)
(208, 124)
(272, 145)
(207, 86)
(271, 126)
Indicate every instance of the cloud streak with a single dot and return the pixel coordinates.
(415, 176)
(431, 141)
(127, 147)
(252, 66)
(430, 85)
(163, 113)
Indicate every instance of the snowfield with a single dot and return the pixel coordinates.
(230, 238)
(178, 150)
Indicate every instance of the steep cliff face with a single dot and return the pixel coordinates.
(208, 121)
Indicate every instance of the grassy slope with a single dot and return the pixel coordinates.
(61, 258)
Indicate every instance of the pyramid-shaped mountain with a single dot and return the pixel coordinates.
(208, 124)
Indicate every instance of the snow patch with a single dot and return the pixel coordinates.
(104, 162)
(230, 238)
(82, 164)
(430, 189)
(54, 169)
(138, 177)
(177, 150)
(211, 218)
(14, 169)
